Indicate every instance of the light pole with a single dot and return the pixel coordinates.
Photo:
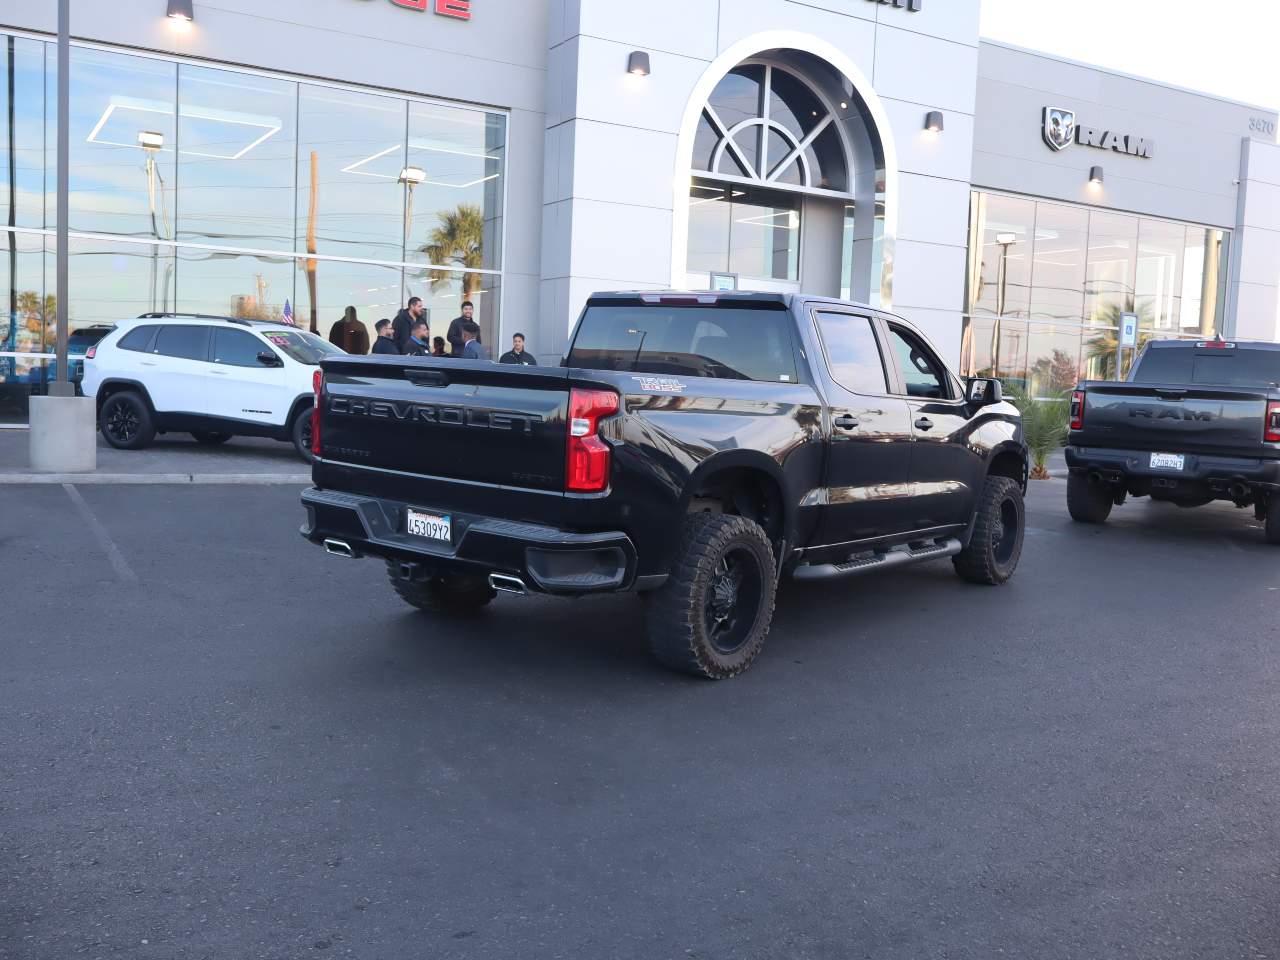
(61, 387)
(410, 177)
(1005, 241)
(152, 143)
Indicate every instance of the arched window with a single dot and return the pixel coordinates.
(766, 125)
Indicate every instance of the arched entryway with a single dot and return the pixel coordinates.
(787, 178)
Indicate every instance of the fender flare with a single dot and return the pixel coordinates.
(749, 460)
(110, 385)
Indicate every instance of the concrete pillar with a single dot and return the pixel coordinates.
(63, 435)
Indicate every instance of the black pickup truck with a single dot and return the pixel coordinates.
(690, 447)
(1196, 421)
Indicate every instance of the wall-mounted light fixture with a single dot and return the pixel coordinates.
(412, 175)
(933, 121)
(180, 10)
(150, 140)
(1095, 175)
(1006, 239)
(638, 63)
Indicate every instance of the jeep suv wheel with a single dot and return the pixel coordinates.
(712, 615)
(125, 421)
(1087, 502)
(300, 434)
(995, 545)
(441, 595)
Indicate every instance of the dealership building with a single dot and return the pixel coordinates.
(291, 159)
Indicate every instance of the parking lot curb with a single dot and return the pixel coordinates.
(155, 478)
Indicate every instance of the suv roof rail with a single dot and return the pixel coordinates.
(160, 315)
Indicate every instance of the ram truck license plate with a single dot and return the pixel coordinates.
(1168, 461)
(432, 526)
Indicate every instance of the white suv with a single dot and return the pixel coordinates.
(212, 377)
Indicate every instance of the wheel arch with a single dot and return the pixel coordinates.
(1009, 459)
(747, 483)
(299, 402)
(110, 387)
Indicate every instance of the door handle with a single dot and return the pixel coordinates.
(924, 423)
(220, 373)
(147, 363)
(845, 421)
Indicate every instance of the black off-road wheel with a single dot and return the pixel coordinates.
(711, 617)
(456, 595)
(210, 439)
(1272, 521)
(300, 434)
(993, 551)
(125, 421)
(1088, 502)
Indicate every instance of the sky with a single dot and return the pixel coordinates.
(1226, 47)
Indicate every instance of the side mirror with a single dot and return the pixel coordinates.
(269, 359)
(983, 391)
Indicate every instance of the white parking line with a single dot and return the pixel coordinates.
(118, 562)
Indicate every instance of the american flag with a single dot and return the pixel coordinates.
(288, 313)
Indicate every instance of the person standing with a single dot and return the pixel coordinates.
(518, 354)
(402, 325)
(419, 339)
(349, 333)
(384, 342)
(437, 347)
(472, 349)
(454, 333)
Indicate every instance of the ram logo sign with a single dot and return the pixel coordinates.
(1060, 130)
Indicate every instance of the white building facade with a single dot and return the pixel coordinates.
(311, 155)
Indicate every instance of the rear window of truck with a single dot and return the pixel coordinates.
(727, 343)
(1223, 367)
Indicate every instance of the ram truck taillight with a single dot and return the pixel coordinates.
(317, 387)
(1077, 410)
(1273, 422)
(587, 457)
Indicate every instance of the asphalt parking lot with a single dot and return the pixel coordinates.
(218, 742)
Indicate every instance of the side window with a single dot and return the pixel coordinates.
(236, 348)
(923, 373)
(139, 338)
(188, 342)
(852, 352)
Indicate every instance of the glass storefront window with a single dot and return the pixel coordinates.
(1003, 230)
(455, 165)
(1109, 280)
(1058, 268)
(1204, 277)
(122, 144)
(1158, 282)
(744, 230)
(333, 285)
(236, 158)
(107, 281)
(1053, 359)
(225, 283)
(22, 162)
(443, 293)
(351, 154)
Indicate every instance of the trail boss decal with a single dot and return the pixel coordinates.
(660, 384)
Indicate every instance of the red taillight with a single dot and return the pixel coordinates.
(1077, 410)
(1215, 345)
(317, 387)
(91, 352)
(1273, 422)
(587, 461)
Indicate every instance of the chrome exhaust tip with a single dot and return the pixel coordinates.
(339, 548)
(506, 584)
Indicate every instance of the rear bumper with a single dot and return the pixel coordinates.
(546, 559)
(1209, 473)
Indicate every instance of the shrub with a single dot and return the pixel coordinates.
(1044, 427)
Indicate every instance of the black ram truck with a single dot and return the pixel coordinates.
(690, 447)
(1196, 421)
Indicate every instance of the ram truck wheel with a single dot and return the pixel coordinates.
(1087, 502)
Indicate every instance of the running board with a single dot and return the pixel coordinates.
(907, 553)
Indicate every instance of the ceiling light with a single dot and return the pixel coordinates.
(150, 140)
(933, 121)
(1095, 175)
(180, 10)
(412, 175)
(638, 63)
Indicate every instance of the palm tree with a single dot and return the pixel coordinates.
(457, 240)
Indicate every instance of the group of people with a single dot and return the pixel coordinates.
(409, 334)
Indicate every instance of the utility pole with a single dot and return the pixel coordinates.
(61, 387)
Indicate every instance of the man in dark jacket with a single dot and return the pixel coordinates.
(454, 334)
(402, 325)
(419, 339)
(384, 342)
(518, 354)
(471, 347)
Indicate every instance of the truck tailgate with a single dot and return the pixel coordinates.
(465, 421)
(1157, 417)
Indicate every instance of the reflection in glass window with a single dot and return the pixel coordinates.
(22, 163)
(109, 281)
(455, 182)
(1158, 281)
(122, 139)
(236, 160)
(744, 230)
(1109, 281)
(1053, 359)
(1003, 230)
(444, 292)
(325, 293)
(1058, 268)
(26, 324)
(853, 355)
(351, 154)
(1204, 278)
(230, 284)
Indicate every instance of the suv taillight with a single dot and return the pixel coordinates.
(1273, 422)
(587, 460)
(317, 387)
(1077, 410)
(91, 352)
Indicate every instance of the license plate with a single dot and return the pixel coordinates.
(432, 526)
(1168, 461)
